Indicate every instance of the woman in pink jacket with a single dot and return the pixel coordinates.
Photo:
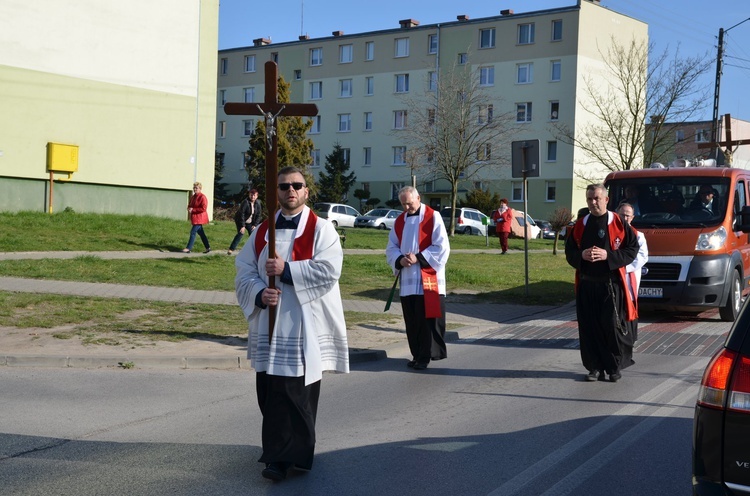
(198, 216)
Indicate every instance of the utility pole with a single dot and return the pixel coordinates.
(719, 63)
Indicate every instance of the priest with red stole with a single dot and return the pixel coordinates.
(418, 250)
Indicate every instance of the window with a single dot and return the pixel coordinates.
(223, 66)
(249, 95)
(346, 154)
(430, 157)
(430, 117)
(399, 119)
(517, 191)
(551, 151)
(679, 135)
(249, 63)
(487, 76)
(550, 187)
(395, 188)
(523, 112)
(368, 121)
(248, 126)
(432, 80)
(485, 114)
(316, 121)
(463, 58)
(399, 155)
(316, 90)
(275, 57)
(369, 85)
(432, 43)
(370, 50)
(315, 156)
(222, 129)
(487, 38)
(297, 74)
(402, 83)
(367, 156)
(554, 110)
(484, 152)
(222, 97)
(526, 33)
(525, 73)
(345, 88)
(557, 30)
(554, 70)
(702, 135)
(345, 54)
(316, 56)
(345, 123)
(401, 47)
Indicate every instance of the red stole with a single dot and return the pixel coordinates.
(303, 245)
(616, 237)
(429, 275)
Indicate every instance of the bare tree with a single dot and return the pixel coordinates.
(637, 84)
(455, 132)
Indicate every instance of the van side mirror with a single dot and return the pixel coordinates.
(744, 224)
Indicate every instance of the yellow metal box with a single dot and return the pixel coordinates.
(62, 158)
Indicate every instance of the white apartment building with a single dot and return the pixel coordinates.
(532, 64)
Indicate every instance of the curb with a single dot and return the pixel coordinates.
(198, 362)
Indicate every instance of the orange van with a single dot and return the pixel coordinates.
(699, 250)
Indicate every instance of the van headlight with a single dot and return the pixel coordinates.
(711, 241)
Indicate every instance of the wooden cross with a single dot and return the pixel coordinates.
(727, 143)
(270, 109)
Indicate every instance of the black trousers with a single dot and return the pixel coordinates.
(289, 409)
(426, 336)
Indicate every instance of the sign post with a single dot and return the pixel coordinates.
(525, 164)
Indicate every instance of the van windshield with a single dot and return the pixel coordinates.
(672, 202)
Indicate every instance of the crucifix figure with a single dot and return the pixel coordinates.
(728, 144)
(271, 109)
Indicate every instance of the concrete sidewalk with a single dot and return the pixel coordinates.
(471, 319)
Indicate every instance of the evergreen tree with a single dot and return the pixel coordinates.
(220, 188)
(294, 146)
(334, 183)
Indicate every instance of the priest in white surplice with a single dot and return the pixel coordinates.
(418, 250)
(309, 336)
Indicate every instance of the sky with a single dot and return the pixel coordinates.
(690, 25)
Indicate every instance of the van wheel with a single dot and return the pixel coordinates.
(730, 310)
(468, 230)
(382, 227)
(335, 224)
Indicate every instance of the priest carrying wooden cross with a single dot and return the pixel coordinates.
(271, 109)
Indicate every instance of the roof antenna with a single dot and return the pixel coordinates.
(302, 18)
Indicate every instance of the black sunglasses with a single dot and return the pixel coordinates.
(296, 186)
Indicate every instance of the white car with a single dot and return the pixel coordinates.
(468, 220)
(339, 214)
(534, 230)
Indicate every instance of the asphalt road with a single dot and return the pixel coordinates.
(501, 416)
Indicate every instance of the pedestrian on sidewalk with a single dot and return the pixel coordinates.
(197, 208)
(418, 251)
(309, 335)
(599, 247)
(503, 218)
(633, 270)
(246, 218)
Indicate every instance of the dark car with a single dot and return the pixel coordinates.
(546, 227)
(721, 425)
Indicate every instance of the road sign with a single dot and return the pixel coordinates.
(525, 158)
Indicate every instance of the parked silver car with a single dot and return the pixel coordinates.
(339, 214)
(379, 218)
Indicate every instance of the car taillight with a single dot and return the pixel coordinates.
(739, 395)
(460, 220)
(713, 388)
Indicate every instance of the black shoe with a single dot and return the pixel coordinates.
(275, 471)
(411, 364)
(420, 366)
(615, 377)
(208, 250)
(593, 376)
